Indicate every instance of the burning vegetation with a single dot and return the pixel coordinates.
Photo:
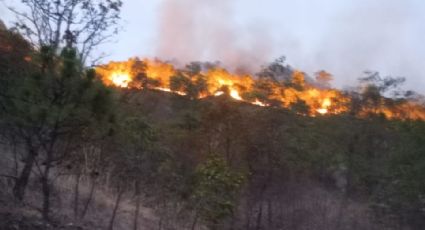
(276, 85)
(178, 163)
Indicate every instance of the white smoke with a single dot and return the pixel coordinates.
(206, 30)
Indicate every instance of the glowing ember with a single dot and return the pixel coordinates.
(120, 79)
(218, 93)
(235, 95)
(325, 105)
(259, 103)
(322, 111)
(169, 90)
(163, 89)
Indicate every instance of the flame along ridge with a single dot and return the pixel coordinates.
(304, 97)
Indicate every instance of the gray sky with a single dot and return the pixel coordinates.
(344, 37)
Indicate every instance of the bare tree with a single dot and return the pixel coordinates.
(84, 23)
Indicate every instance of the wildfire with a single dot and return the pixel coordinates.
(259, 103)
(297, 94)
(325, 105)
(235, 95)
(120, 79)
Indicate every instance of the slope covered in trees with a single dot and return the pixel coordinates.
(105, 157)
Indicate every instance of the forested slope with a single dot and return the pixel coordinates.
(75, 150)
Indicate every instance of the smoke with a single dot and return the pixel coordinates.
(343, 38)
(206, 30)
(373, 35)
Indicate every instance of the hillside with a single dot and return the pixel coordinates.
(147, 144)
(297, 171)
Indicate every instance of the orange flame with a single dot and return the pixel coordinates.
(219, 81)
(120, 79)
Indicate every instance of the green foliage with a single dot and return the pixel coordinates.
(262, 90)
(194, 68)
(192, 85)
(276, 71)
(372, 98)
(382, 84)
(51, 111)
(141, 80)
(405, 187)
(300, 107)
(216, 190)
(133, 153)
(15, 53)
(179, 83)
(60, 97)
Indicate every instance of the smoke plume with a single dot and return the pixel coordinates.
(206, 30)
(372, 35)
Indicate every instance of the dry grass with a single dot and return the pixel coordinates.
(99, 211)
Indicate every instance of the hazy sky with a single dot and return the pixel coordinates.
(344, 37)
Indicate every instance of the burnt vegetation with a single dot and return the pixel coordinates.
(76, 150)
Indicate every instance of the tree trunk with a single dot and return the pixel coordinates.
(160, 223)
(22, 181)
(114, 212)
(46, 198)
(341, 212)
(248, 212)
(162, 213)
(228, 156)
(270, 214)
(46, 186)
(195, 221)
(345, 193)
(137, 209)
(86, 205)
(260, 212)
(259, 217)
(232, 221)
(15, 158)
(76, 195)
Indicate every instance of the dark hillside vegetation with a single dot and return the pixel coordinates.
(76, 154)
(221, 163)
(292, 165)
